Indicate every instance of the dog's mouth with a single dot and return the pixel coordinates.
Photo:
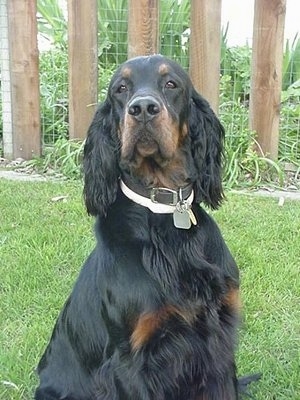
(153, 159)
(146, 148)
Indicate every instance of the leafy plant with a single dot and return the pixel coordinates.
(174, 30)
(64, 157)
(112, 39)
(291, 63)
(289, 143)
(105, 74)
(235, 63)
(54, 94)
(244, 167)
(52, 23)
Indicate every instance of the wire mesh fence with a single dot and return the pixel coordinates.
(54, 94)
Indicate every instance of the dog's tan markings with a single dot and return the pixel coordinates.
(169, 131)
(163, 69)
(184, 130)
(166, 134)
(172, 175)
(126, 72)
(126, 134)
(232, 299)
(148, 323)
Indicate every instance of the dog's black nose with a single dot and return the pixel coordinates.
(144, 108)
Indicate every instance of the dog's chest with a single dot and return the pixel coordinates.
(171, 290)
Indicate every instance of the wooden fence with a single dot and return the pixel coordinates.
(23, 138)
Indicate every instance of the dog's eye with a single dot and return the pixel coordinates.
(122, 88)
(170, 85)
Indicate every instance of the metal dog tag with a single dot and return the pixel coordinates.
(182, 219)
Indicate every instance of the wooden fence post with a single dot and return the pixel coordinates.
(83, 65)
(24, 78)
(143, 19)
(266, 73)
(205, 48)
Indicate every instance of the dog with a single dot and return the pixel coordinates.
(155, 310)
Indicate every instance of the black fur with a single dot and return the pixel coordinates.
(154, 312)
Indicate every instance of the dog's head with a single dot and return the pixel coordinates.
(155, 129)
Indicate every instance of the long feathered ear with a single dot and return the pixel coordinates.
(100, 162)
(207, 138)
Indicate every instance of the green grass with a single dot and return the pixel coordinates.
(43, 244)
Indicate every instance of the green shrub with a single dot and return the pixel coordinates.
(64, 157)
(289, 143)
(54, 94)
(291, 63)
(235, 64)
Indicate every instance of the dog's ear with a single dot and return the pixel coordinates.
(207, 140)
(100, 162)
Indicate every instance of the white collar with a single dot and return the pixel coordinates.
(157, 208)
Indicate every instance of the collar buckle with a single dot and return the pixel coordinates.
(164, 196)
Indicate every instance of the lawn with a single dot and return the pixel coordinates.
(44, 239)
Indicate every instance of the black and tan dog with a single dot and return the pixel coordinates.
(154, 312)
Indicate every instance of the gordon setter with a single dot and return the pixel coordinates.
(154, 312)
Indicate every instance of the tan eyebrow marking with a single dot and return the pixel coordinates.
(163, 69)
(126, 72)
